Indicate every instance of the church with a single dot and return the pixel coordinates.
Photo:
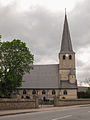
(48, 81)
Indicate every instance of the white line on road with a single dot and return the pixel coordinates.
(88, 111)
(62, 117)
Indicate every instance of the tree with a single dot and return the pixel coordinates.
(15, 61)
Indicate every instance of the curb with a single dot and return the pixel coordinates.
(40, 110)
(18, 113)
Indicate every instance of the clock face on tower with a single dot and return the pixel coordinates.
(67, 55)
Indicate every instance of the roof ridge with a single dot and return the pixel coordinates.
(44, 64)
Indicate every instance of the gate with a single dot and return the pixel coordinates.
(46, 102)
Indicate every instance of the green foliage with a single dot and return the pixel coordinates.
(83, 94)
(0, 36)
(16, 60)
(46, 102)
(89, 89)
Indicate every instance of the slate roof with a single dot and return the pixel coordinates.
(66, 84)
(72, 71)
(45, 77)
(66, 45)
(42, 76)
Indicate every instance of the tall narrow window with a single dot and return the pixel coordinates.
(22, 97)
(70, 57)
(24, 91)
(65, 92)
(33, 92)
(43, 92)
(64, 57)
(53, 92)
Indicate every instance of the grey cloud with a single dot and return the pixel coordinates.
(80, 24)
(42, 31)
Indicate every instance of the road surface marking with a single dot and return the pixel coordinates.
(62, 117)
(88, 111)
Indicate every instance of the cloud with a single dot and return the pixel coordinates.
(80, 25)
(39, 29)
(42, 29)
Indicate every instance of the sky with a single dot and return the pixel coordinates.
(39, 23)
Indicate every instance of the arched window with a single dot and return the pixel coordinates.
(65, 92)
(53, 92)
(33, 92)
(24, 92)
(64, 57)
(22, 97)
(43, 92)
(27, 97)
(44, 99)
(70, 57)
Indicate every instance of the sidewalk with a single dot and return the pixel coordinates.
(13, 112)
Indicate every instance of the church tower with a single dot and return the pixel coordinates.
(67, 69)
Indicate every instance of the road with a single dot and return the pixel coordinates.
(74, 113)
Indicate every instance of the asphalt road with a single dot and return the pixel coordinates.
(76, 113)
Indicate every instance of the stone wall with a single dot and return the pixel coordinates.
(71, 94)
(67, 63)
(58, 103)
(48, 93)
(7, 104)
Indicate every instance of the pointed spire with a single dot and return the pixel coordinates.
(66, 45)
(65, 11)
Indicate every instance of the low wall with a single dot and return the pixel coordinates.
(7, 104)
(58, 103)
